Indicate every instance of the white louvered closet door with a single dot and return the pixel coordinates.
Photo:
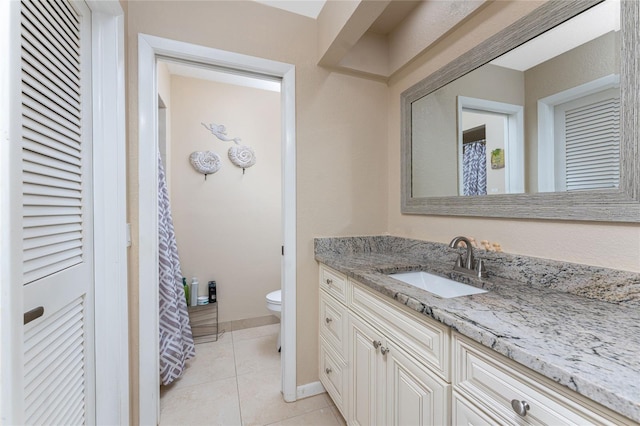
(57, 213)
(588, 148)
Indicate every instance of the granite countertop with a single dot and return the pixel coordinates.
(588, 345)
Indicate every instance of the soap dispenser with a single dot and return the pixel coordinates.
(212, 292)
(194, 291)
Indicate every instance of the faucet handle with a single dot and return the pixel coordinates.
(459, 262)
(481, 269)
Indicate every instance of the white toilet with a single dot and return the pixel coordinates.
(274, 304)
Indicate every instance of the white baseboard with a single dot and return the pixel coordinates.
(310, 389)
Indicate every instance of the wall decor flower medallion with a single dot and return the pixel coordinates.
(242, 156)
(207, 162)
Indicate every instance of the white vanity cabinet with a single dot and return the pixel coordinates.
(388, 367)
(488, 385)
(383, 364)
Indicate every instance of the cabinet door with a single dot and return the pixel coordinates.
(366, 383)
(415, 396)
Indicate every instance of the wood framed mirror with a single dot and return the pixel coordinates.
(531, 191)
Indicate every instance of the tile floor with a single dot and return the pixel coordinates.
(236, 381)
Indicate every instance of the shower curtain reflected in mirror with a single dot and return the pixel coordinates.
(176, 340)
(474, 168)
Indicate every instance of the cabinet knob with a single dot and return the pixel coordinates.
(520, 407)
(376, 344)
(328, 370)
(329, 281)
(384, 351)
(328, 320)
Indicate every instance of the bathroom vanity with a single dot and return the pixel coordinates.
(391, 353)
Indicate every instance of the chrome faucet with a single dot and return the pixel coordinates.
(468, 265)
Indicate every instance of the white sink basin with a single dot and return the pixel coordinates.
(440, 286)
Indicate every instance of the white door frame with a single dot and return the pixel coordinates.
(110, 213)
(109, 162)
(149, 49)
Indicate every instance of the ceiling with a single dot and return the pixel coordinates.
(585, 27)
(390, 18)
(308, 8)
(377, 38)
(374, 39)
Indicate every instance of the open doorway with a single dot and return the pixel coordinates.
(150, 50)
(502, 144)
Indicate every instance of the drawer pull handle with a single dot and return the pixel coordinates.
(520, 407)
(329, 282)
(384, 351)
(328, 370)
(328, 320)
(377, 344)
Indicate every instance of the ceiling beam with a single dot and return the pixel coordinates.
(341, 24)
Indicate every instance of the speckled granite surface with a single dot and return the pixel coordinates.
(535, 313)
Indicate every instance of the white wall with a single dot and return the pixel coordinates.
(228, 226)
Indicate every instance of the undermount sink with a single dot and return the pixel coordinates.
(440, 286)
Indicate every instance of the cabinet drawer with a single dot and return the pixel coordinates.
(425, 339)
(466, 414)
(492, 381)
(333, 282)
(333, 323)
(332, 374)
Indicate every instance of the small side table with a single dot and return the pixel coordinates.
(204, 322)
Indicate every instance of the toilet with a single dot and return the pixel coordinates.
(274, 304)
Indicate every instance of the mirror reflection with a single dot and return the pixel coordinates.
(541, 118)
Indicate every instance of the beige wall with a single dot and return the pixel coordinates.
(348, 149)
(341, 136)
(228, 227)
(608, 245)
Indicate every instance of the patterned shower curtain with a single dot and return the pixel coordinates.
(474, 168)
(176, 340)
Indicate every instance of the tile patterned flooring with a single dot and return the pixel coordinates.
(236, 381)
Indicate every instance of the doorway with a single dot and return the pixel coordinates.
(150, 49)
(506, 124)
(227, 219)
